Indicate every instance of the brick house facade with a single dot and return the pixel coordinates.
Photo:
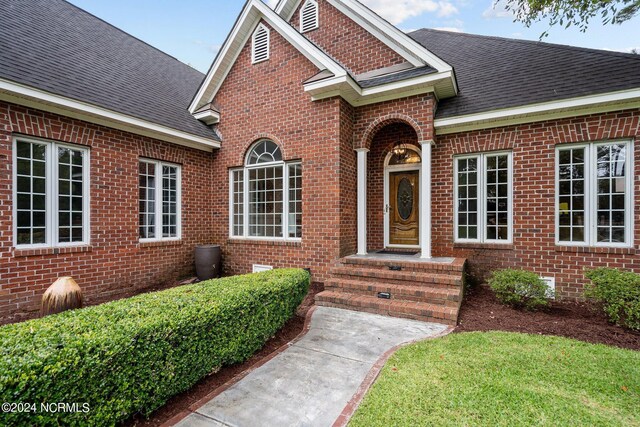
(339, 101)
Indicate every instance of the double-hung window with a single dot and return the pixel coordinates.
(266, 195)
(594, 194)
(159, 201)
(483, 200)
(51, 194)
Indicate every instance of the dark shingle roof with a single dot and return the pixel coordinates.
(495, 73)
(396, 77)
(57, 47)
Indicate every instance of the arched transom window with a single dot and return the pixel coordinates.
(266, 199)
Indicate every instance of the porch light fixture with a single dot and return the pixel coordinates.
(400, 151)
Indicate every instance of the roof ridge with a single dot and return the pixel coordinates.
(537, 43)
(129, 35)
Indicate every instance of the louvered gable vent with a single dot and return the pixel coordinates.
(309, 16)
(260, 44)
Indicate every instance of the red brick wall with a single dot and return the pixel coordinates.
(268, 100)
(533, 248)
(347, 42)
(115, 264)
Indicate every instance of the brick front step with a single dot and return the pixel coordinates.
(456, 267)
(395, 308)
(408, 291)
(374, 274)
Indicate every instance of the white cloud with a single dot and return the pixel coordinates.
(397, 11)
(496, 10)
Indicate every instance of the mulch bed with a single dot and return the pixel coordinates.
(180, 402)
(481, 311)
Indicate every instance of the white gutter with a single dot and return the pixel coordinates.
(36, 98)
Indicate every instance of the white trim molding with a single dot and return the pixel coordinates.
(159, 211)
(51, 210)
(208, 117)
(592, 104)
(46, 101)
(425, 200)
(481, 197)
(362, 200)
(591, 211)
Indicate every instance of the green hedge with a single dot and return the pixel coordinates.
(618, 292)
(130, 356)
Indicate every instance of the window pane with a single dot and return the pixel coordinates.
(265, 202)
(612, 193)
(30, 201)
(238, 203)
(467, 203)
(571, 198)
(70, 182)
(295, 200)
(169, 201)
(147, 196)
(264, 151)
(497, 193)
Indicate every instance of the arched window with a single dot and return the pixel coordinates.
(260, 44)
(266, 195)
(309, 16)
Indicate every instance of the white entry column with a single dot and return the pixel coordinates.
(362, 200)
(425, 200)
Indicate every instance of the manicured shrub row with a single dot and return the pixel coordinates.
(618, 292)
(131, 355)
(519, 288)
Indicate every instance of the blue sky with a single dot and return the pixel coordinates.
(193, 30)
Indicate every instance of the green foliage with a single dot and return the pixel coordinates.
(568, 13)
(504, 379)
(520, 288)
(618, 292)
(130, 356)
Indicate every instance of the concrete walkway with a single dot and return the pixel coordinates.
(311, 382)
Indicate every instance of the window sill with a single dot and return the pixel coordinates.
(596, 250)
(62, 250)
(491, 246)
(160, 243)
(263, 242)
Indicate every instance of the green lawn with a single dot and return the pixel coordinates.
(506, 379)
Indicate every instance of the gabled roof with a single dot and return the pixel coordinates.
(497, 73)
(252, 13)
(380, 28)
(53, 49)
(336, 80)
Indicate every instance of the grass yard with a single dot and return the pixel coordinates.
(505, 379)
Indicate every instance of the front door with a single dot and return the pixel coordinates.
(403, 208)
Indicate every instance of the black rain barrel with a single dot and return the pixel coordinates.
(208, 262)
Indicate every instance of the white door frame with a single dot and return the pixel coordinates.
(401, 168)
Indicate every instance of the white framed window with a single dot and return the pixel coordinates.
(260, 44)
(594, 194)
(265, 196)
(160, 200)
(309, 16)
(483, 198)
(50, 194)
